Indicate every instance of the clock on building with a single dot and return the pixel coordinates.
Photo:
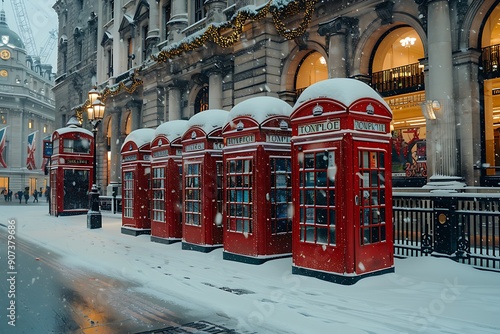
(5, 54)
(4, 73)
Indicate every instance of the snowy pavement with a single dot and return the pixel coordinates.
(424, 295)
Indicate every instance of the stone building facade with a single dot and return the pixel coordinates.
(435, 62)
(26, 108)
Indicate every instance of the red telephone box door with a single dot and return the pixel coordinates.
(372, 221)
(320, 208)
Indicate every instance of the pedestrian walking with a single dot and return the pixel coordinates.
(35, 196)
(26, 195)
(20, 196)
(9, 195)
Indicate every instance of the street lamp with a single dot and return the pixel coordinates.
(95, 115)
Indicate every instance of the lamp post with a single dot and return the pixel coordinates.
(95, 115)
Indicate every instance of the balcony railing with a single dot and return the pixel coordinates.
(490, 60)
(399, 80)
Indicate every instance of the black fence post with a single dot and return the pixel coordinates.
(115, 203)
(445, 225)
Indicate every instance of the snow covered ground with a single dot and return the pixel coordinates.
(424, 295)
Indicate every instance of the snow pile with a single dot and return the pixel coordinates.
(424, 295)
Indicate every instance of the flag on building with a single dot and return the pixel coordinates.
(30, 160)
(3, 135)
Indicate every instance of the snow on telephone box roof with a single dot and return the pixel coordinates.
(208, 120)
(344, 90)
(140, 137)
(260, 108)
(171, 129)
(72, 128)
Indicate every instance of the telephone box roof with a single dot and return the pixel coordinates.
(171, 129)
(140, 137)
(72, 128)
(208, 120)
(343, 90)
(260, 108)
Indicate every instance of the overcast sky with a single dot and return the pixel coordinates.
(42, 18)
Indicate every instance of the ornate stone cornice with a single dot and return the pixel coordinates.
(339, 25)
(385, 11)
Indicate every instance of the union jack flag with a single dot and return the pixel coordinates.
(30, 160)
(3, 135)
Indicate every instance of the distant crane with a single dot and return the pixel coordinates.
(21, 17)
(48, 47)
(24, 26)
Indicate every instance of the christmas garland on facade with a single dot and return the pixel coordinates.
(216, 33)
(112, 91)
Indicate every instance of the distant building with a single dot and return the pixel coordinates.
(434, 62)
(26, 113)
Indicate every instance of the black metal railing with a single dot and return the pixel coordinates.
(399, 80)
(464, 227)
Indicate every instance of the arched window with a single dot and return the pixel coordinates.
(201, 102)
(128, 124)
(396, 68)
(312, 69)
(399, 77)
(491, 71)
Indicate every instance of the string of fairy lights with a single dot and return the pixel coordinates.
(225, 35)
(228, 33)
(112, 91)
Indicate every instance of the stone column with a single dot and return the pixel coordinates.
(214, 90)
(441, 133)
(153, 36)
(178, 20)
(215, 10)
(336, 32)
(115, 146)
(468, 114)
(174, 102)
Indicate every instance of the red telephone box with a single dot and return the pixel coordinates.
(202, 181)
(136, 175)
(342, 190)
(166, 182)
(257, 184)
(71, 170)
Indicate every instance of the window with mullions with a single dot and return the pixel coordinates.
(372, 196)
(199, 10)
(128, 194)
(201, 101)
(280, 195)
(239, 195)
(76, 145)
(192, 199)
(219, 194)
(158, 188)
(317, 198)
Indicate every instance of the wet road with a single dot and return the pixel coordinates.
(53, 298)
